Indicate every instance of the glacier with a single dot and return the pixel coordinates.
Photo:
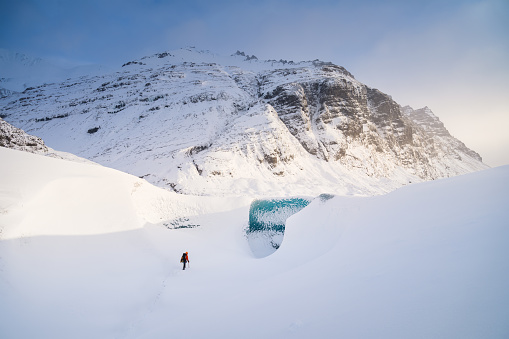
(267, 219)
(85, 253)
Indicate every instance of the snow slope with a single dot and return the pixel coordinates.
(19, 71)
(90, 252)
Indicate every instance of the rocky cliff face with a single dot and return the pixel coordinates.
(15, 138)
(336, 118)
(199, 123)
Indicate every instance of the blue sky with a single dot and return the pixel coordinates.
(452, 56)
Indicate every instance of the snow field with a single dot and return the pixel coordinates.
(85, 253)
(424, 261)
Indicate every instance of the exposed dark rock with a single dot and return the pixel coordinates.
(133, 63)
(197, 149)
(163, 55)
(59, 116)
(15, 138)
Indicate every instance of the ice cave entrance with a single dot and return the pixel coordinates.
(267, 220)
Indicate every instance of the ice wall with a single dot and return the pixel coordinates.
(267, 219)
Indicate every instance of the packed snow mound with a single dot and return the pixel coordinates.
(47, 196)
(88, 252)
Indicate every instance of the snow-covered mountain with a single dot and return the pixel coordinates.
(200, 123)
(86, 252)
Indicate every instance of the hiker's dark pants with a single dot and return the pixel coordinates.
(184, 265)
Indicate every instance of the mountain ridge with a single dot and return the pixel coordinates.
(200, 123)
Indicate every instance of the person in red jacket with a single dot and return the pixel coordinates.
(184, 260)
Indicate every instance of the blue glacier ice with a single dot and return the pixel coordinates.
(267, 220)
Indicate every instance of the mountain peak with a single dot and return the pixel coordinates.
(246, 56)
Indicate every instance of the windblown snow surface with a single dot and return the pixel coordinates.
(90, 252)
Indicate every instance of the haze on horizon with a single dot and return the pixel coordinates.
(450, 56)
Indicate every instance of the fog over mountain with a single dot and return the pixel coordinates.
(19, 71)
